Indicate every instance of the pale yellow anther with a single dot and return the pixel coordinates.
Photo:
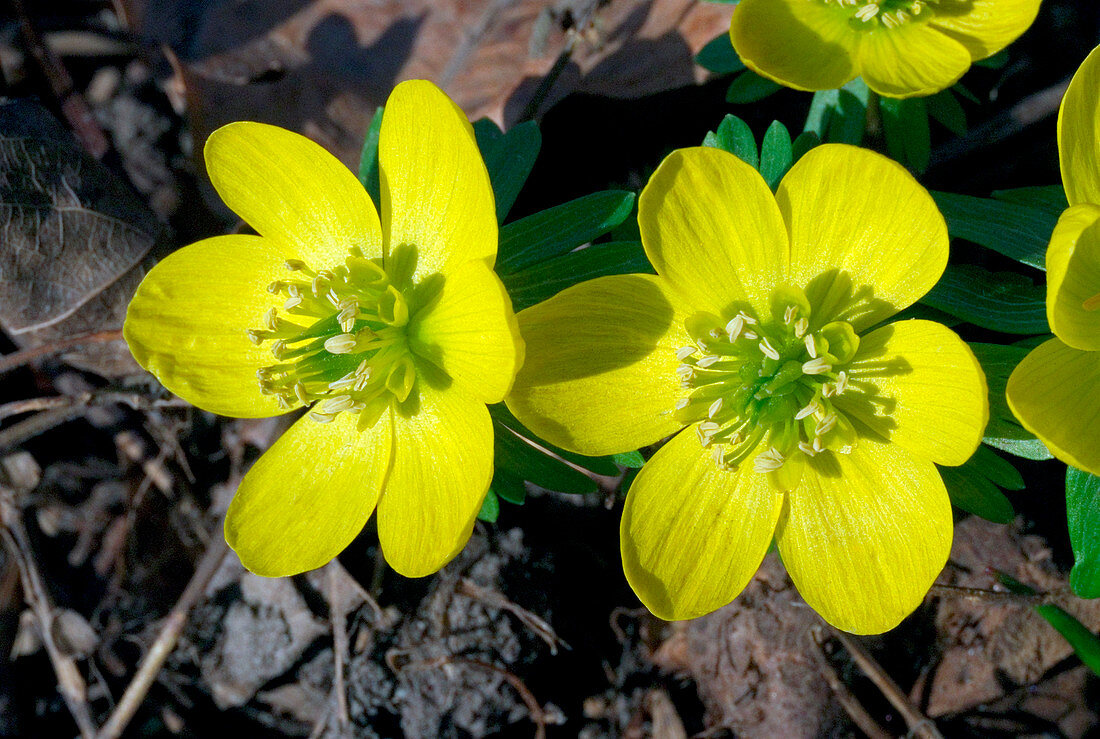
(841, 382)
(684, 352)
(714, 408)
(340, 344)
(811, 346)
(278, 348)
(336, 405)
(269, 319)
(809, 410)
(789, 314)
(682, 403)
(708, 361)
(801, 326)
(816, 366)
(806, 449)
(768, 349)
(734, 328)
(255, 336)
(747, 318)
(768, 461)
(825, 425)
(320, 417)
(867, 12)
(292, 302)
(751, 335)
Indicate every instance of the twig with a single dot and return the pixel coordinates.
(70, 682)
(338, 614)
(848, 702)
(166, 641)
(39, 423)
(493, 599)
(20, 358)
(135, 401)
(572, 37)
(1024, 599)
(18, 407)
(919, 724)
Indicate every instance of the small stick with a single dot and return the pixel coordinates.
(1025, 599)
(849, 702)
(166, 640)
(493, 599)
(18, 359)
(18, 407)
(919, 724)
(70, 682)
(39, 423)
(338, 614)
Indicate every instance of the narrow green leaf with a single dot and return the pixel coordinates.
(1017, 231)
(516, 456)
(735, 136)
(1085, 644)
(719, 56)
(776, 154)
(905, 124)
(368, 159)
(998, 361)
(490, 508)
(840, 116)
(821, 111)
(1083, 513)
(749, 87)
(508, 487)
(509, 158)
(535, 284)
(1051, 198)
(961, 90)
(945, 108)
(999, 301)
(631, 460)
(1024, 448)
(976, 494)
(805, 141)
(996, 469)
(599, 465)
(997, 61)
(561, 229)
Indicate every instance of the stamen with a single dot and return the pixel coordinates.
(768, 349)
(715, 407)
(811, 346)
(789, 314)
(735, 327)
(746, 318)
(278, 348)
(685, 371)
(867, 12)
(768, 461)
(301, 394)
(841, 382)
(708, 361)
(816, 366)
(806, 449)
(336, 405)
(809, 410)
(340, 344)
(684, 352)
(255, 336)
(750, 335)
(801, 326)
(682, 403)
(825, 425)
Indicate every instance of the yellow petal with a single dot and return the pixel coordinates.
(470, 332)
(800, 44)
(309, 495)
(692, 534)
(911, 59)
(865, 535)
(188, 323)
(292, 192)
(985, 27)
(865, 236)
(919, 385)
(442, 465)
(1079, 133)
(1055, 392)
(437, 203)
(1073, 278)
(600, 372)
(710, 226)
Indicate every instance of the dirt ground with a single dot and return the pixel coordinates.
(112, 491)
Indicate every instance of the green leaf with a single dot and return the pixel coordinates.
(490, 508)
(840, 116)
(509, 158)
(945, 108)
(749, 87)
(719, 57)
(598, 465)
(535, 284)
(1085, 643)
(561, 229)
(368, 159)
(630, 460)
(1024, 448)
(1051, 198)
(735, 136)
(975, 485)
(776, 154)
(508, 487)
(961, 90)
(1083, 513)
(997, 61)
(518, 457)
(998, 361)
(1016, 230)
(805, 141)
(905, 124)
(999, 301)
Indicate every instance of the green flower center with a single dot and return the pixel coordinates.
(870, 14)
(753, 383)
(342, 344)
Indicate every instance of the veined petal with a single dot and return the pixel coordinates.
(292, 192)
(917, 384)
(1055, 392)
(442, 465)
(711, 227)
(866, 238)
(437, 202)
(188, 323)
(309, 495)
(600, 372)
(804, 45)
(1073, 278)
(912, 59)
(984, 27)
(865, 535)
(692, 534)
(470, 332)
(1079, 133)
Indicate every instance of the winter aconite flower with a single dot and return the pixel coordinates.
(793, 416)
(394, 333)
(901, 48)
(1055, 391)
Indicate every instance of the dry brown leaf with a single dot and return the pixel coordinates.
(324, 66)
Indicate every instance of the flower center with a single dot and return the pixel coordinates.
(869, 14)
(772, 383)
(341, 346)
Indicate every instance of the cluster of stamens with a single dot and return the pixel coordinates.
(341, 346)
(888, 13)
(771, 385)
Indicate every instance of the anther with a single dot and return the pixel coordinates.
(735, 327)
(801, 326)
(811, 346)
(340, 344)
(301, 394)
(297, 265)
(269, 319)
(708, 360)
(292, 302)
(278, 348)
(255, 336)
(789, 314)
(809, 410)
(816, 366)
(867, 12)
(684, 352)
(806, 449)
(682, 403)
(714, 408)
(751, 335)
(768, 349)
(276, 287)
(768, 461)
(685, 371)
(825, 425)
(841, 382)
(320, 417)
(336, 405)
(747, 318)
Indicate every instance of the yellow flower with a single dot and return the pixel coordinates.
(901, 48)
(795, 418)
(395, 333)
(1055, 391)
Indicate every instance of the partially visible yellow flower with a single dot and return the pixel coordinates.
(900, 48)
(1055, 391)
(793, 416)
(395, 333)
